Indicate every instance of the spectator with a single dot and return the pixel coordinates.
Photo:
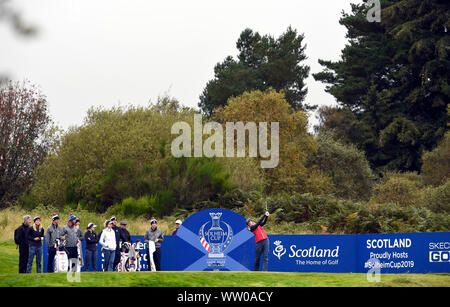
(53, 233)
(177, 226)
(155, 235)
(91, 248)
(117, 233)
(262, 241)
(71, 235)
(79, 246)
(35, 235)
(79, 232)
(20, 238)
(108, 243)
(124, 233)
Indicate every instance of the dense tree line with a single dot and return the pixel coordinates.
(392, 82)
(379, 157)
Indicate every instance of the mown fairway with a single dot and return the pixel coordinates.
(10, 277)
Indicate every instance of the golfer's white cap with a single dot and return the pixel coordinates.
(178, 222)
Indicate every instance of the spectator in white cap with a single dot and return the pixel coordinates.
(154, 234)
(177, 226)
(108, 242)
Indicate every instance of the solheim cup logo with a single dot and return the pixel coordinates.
(215, 236)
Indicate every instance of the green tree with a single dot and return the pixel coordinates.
(125, 152)
(394, 77)
(347, 167)
(295, 144)
(262, 62)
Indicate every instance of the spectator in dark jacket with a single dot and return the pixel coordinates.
(124, 233)
(53, 233)
(35, 235)
(116, 229)
(91, 248)
(20, 238)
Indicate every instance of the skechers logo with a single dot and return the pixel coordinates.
(439, 256)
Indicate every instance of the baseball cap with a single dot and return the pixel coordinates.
(72, 218)
(178, 222)
(91, 225)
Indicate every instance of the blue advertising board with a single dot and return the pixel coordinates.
(404, 252)
(312, 253)
(218, 239)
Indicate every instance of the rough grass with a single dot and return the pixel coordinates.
(11, 218)
(9, 277)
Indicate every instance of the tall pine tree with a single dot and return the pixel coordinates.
(262, 62)
(394, 76)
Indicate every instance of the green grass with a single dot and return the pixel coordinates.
(10, 277)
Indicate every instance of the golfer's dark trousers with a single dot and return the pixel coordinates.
(262, 249)
(23, 258)
(90, 258)
(50, 260)
(117, 256)
(156, 259)
(72, 253)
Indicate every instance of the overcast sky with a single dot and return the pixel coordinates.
(110, 52)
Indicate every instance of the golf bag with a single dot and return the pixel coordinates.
(61, 259)
(151, 250)
(130, 257)
(124, 249)
(134, 259)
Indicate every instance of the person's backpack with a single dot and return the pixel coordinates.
(17, 238)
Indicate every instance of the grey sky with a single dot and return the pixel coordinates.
(111, 52)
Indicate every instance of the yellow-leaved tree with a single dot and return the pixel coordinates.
(295, 144)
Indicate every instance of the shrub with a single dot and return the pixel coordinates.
(324, 214)
(437, 199)
(399, 188)
(107, 136)
(436, 163)
(345, 165)
(130, 207)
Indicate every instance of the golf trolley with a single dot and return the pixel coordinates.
(61, 259)
(130, 259)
